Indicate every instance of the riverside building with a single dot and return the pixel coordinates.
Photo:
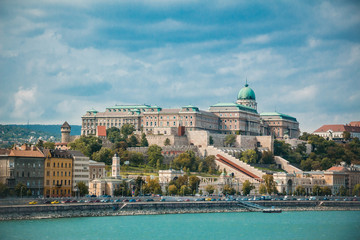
(24, 165)
(58, 173)
(240, 117)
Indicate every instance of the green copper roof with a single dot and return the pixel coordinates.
(238, 106)
(246, 93)
(281, 115)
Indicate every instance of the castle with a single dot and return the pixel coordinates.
(239, 118)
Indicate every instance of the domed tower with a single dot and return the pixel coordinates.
(65, 132)
(246, 97)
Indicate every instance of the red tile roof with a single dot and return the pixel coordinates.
(101, 131)
(355, 123)
(338, 128)
(337, 169)
(26, 153)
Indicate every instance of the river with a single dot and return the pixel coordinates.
(245, 225)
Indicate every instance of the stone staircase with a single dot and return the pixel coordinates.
(240, 169)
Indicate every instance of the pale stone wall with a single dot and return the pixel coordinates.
(285, 165)
(266, 142)
(160, 139)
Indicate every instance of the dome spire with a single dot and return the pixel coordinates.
(246, 84)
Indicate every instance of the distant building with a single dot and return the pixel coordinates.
(65, 137)
(96, 170)
(58, 173)
(334, 178)
(80, 169)
(336, 131)
(107, 185)
(240, 118)
(24, 165)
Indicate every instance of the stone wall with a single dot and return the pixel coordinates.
(160, 139)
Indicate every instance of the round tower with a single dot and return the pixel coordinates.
(65, 132)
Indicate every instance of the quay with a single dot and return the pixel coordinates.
(17, 212)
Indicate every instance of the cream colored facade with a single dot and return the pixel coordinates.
(240, 118)
(96, 170)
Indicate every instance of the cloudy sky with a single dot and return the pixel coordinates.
(61, 58)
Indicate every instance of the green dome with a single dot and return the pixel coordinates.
(246, 93)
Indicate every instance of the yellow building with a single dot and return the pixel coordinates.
(58, 174)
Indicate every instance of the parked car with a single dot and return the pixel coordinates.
(55, 202)
(163, 200)
(47, 202)
(125, 200)
(149, 200)
(132, 200)
(33, 202)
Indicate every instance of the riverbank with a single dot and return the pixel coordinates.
(145, 208)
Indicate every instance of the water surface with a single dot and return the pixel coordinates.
(245, 225)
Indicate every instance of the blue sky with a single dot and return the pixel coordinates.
(61, 58)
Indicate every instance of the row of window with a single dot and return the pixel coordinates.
(57, 174)
(62, 165)
(59, 182)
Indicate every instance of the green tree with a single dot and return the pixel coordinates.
(269, 183)
(230, 140)
(326, 190)
(267, 158)
(104, 155)
(300, 191)
(152, 186)
(154, 154)
(342, 191)
(346, 135)
(182, 160)
(83, 189)
(194, 182)
(172, 190)
(210, 189)
(139, 185)
(132, 141)
(20, 190)
(113, 135)
(144, 142)
(326, 163)
(356, 190)
(209, 164)
(262, 189)
(317, 190)
(49, 145)
(87, 145)
(126, 130)
(167, 142)
(228, 190)
(4, 190)
(135, 158)
(211, 140)
(249, 156)
(184, 190)
(247, 187)
(40, 143)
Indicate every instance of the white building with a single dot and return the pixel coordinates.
(80, 168)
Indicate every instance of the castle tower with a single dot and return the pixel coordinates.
(65, 132)
(246, 97)
(116, 166)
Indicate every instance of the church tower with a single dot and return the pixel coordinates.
(246, 97)
(116, 166)
(65, 132)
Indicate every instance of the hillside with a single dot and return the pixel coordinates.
(10, 134)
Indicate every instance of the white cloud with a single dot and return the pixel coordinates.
(260, 39)
(26, 105)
